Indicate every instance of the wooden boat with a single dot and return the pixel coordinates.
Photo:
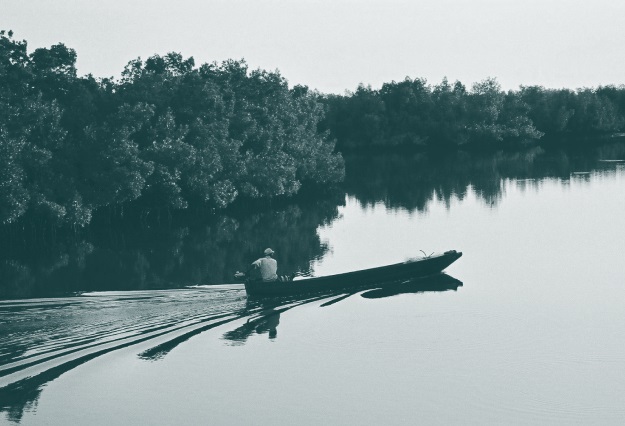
(414, 268)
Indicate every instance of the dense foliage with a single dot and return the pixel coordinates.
(444, 116)
(167, 135)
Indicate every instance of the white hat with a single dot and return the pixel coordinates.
(268, 251)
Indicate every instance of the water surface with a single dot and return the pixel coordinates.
(526, 328)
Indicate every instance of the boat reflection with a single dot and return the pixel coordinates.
(440, 282)
(267, 323)
(266, 320)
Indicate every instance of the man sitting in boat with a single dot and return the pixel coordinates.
(264, 269)
(267, 266)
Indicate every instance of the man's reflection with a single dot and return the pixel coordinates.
(269, 325)
(266, 323)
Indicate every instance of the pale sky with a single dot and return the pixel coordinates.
(333, 45)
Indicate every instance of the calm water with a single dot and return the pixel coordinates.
(526, 328)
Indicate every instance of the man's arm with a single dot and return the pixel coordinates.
(252, 271)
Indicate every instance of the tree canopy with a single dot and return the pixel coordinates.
(166, 135)
(170, 134)
(448, 116)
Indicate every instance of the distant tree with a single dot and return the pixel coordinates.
(356, 120)
(14, 197)
(409, 108)
(412, 113)
(107, 165)
(14, 87)
(54, 71)
(594, 114)
(171, 157)
(486, 101)
(497, 117)
(449, 114)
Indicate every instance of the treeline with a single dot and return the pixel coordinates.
(166, 135)
(447, 116)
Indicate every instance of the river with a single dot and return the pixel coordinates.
(525, 328)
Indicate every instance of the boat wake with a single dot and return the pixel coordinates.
(43, 338)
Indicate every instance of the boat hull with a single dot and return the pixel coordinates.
(351, 280)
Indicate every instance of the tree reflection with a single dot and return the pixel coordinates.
(132, 255)
(413, 181)
(118, 252)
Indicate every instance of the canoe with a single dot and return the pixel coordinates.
(414, 268)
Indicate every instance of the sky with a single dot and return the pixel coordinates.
(334, 45)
